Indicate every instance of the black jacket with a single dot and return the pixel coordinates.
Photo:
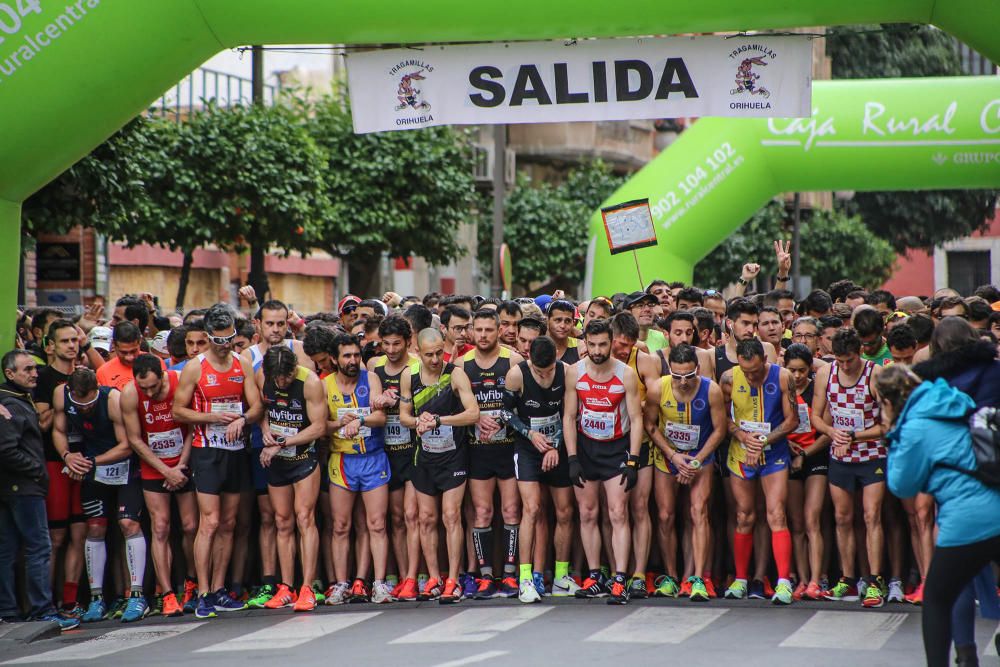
(22, 458)
(972, 368)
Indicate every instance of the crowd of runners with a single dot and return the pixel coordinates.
(661, 443)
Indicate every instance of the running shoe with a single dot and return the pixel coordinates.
(170, 605)
(917, 596)
(564, 587)
(422, 581)
(768, 590)
(359, 592)
(283, 597)
(685, 588)
(710, 587)
(507, 588)
(650, 584)
(65, 622)
(895, 591)
(96, 611)
(224, 602)
(336, 594)
(591, 588)
(873, 596)
(306, 600)
(381, 593)
(800, 591)
(317, 589)
(737, 590)
(757, 590)
(431, 590)
(204, 608)
(813, 591)
(538, 580)
(843, 590)
(190, 598)
(117, 609)
(824, 583)
(156, 609)
(262, 596)
(637, 588)
(619, 591)
(467, 581)
(862, 587)
(74, 611)
(666, 587)
(135, 609)
(407, 591)
(487, 589)
(452, 592)
(698, 591)
(527, 593)
(782, 594)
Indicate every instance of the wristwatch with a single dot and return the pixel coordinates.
(743, 282)
(694, 464)
(437, 421)
(853, 435)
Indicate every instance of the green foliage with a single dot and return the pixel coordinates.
(834, 246)
(908, 219)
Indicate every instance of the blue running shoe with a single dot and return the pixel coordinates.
(468, 583)
(136, 609)
(539, 581)
(487, 589)
(225, 602)
(204, 608)
(97, 610)
(756, 590)
(65, 622)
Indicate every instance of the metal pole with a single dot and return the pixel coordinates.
(257, 78)
(499, 192)
(796, 261)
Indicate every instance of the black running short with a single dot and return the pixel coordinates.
(853, 476)
(602, 459)
(106, 501)
(491, 461)
(815, 464)
(528, 466)
(434, 474)
(401, 465)
(283, 472)
(217, 471)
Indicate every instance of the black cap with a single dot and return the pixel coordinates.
(636, 298)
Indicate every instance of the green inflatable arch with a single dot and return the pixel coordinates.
(74, 71)
(885, 134)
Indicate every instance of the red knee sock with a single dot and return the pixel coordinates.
(69, 593)
(781, 544)
(742, 548)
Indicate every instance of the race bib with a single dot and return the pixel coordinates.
(757, 429)
(499, 435)
(438, 440)
(804, 425)
(284, 432)
(848, 419)
(167, 444)
(684, 437)
(597, 425)
(395, 434)
(364, 431)
(216, 433)
(114, 474)
(550, 427)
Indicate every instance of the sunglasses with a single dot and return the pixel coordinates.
(524, 300)
(712, 292)
(348, 309)
(222, 340)
(686, 376)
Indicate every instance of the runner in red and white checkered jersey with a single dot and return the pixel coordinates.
(848, 412)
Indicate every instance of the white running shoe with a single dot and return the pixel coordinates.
(381, 593)
(895, 591)
(527, 592)
(564, 587)
(337, 593)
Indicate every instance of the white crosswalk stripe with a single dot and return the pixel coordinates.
(658, 625)
(112, 642)
(294, 631)
(474, 625)
(827, 629)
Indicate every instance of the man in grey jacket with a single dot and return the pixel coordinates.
(23, 485)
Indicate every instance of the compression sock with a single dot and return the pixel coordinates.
(482, 540)
(781, 544)
(562, 569)
(525, 572)
(135, 552)
(96, 553)
(742, 548)
(70, 590)
(510, 536)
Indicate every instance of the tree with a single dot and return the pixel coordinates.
(834, 246)
(402, 193)
(908, 219)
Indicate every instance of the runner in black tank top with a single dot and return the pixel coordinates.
(722, 363)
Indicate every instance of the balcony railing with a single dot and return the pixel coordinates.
(202, 85)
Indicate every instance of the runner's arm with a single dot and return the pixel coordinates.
(470, 415)
(651, 420)
(316, 409)
(569, 411)
(406, 415)
(821, 419)
(788, 408)
(251, 394)
(183, 412)
(121, 450)
(634, 405)
(717, 404)
(512, 385)
(377, 415)
(877, 430)
(128, 404)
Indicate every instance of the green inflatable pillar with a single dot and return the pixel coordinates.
(10, 265)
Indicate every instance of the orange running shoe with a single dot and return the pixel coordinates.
(284, 597)
(452, 592)
(686, 588)
(431, 591)
(768, 588)
(190, 596)
(171, 607)
(800, 590)
(917, 596)
(710, 587)
(650, 583)
(397, 588)
(306, 600)
(813, 591)
(407, 591)
(618, 592)
(359, 591)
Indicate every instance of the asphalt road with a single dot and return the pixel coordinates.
(505, 632)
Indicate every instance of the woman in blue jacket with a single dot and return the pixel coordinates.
(928, 426)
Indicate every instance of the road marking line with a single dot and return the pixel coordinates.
(479, 657)
(991, 645)
(827, 629)
(106, 644)
(294, 631)
(652, 625)
(474, 625)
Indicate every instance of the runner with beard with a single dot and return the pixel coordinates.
(510, 314)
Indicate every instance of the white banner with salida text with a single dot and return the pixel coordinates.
(594, 79)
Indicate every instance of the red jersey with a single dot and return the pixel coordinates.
(163, 435)
(218, 391)
(603, 411)
(461, 352)
(854, 408)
